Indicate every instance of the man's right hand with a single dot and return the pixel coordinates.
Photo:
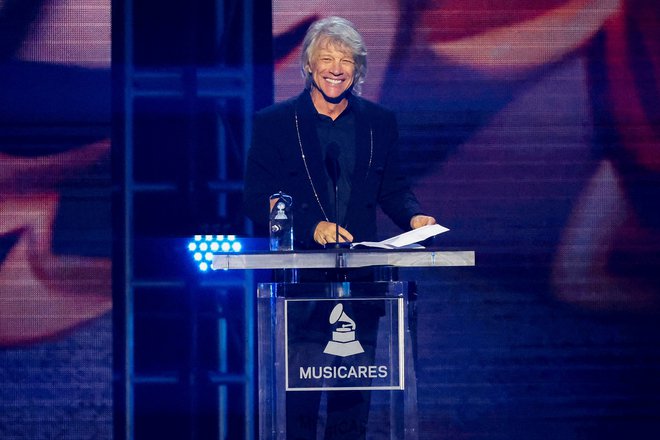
(325, 233)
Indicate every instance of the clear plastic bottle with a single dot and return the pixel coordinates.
(281, 222)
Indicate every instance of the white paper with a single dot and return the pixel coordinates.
(407, 240)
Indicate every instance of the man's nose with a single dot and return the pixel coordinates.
(336, 68)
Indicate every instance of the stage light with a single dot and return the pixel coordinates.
(203, 247)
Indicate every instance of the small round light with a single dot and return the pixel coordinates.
(203, 247)
(198, 238)
(215, 246)
(208, 237)
(197, 256)
(225, 247)
(219, 237)
(236, 246)
(192, 247)
(203, 267)
(231, 237)
(208, 256)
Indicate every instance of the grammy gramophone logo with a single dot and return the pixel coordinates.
(343, 342)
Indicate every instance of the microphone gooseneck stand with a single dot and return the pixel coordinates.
(332, 166)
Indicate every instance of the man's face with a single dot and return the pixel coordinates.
(332, 69)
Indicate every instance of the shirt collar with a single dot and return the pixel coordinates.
(310, 104)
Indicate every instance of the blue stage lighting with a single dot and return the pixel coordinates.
(203, 247)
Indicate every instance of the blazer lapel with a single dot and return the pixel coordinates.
(312, 149)
(363, 143)
(363, 153)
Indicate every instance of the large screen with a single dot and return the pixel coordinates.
(530, 129)
(55, 233)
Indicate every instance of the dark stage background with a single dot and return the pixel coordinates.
(530, 129)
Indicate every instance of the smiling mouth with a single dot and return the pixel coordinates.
(334, 81)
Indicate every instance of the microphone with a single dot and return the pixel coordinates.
(332, 152)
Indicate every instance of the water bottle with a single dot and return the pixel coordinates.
(281, 222)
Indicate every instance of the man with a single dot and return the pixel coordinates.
(328, 123)
(297, 145)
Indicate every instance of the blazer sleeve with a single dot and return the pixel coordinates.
(262, 160)
(274, 165)
(395, 196)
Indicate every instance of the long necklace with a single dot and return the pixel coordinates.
(309, 176)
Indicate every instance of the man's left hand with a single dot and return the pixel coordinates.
(421, 220)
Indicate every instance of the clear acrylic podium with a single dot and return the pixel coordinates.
(336, 358)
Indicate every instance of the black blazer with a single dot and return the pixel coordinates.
(275, 163)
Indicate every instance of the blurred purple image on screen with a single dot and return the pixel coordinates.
(55, 233)
(530, 130)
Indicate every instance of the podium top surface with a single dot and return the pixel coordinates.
(338, 258)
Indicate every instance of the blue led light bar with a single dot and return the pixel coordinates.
(202, 248)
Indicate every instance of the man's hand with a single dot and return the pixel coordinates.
(325, 233)
(421, 220)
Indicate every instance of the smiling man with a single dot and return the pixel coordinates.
(324, 140)
(328, 122)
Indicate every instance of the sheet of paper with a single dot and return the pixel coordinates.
(407, 239)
